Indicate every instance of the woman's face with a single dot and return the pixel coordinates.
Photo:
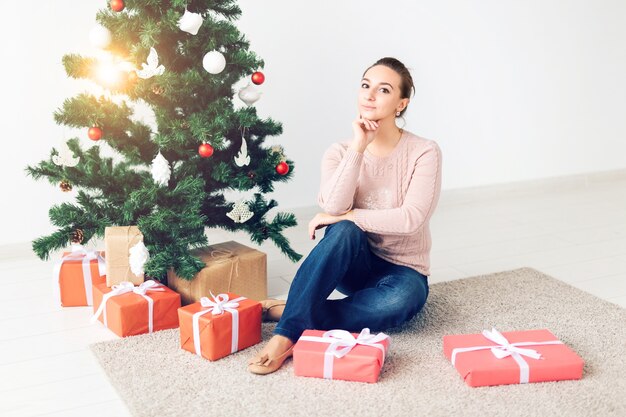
(379, 95)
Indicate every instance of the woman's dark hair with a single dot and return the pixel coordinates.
(406, 83)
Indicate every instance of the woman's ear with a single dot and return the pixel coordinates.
(406, 103)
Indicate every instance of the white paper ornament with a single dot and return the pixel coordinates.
(138, 255)
(190, 22)
(65, 157)
(242, 157)
(152, 67)
(160, 170)
(214, 62)
(100, 37)
(240, 213)
(249, 95)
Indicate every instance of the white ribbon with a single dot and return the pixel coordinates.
(80, 253)
(123, 288)
(219, 305)
(504, 349)
(341, 342)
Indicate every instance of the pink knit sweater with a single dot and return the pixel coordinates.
(392, 197)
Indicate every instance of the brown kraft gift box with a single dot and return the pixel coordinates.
(230, 267)
(117, 242)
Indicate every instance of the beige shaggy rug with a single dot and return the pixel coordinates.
(156, 378)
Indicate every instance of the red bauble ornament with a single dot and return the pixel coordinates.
(282, 168)
(205, 150)
(116, 5)
(94, 133)
(258, 78)
(132, 77)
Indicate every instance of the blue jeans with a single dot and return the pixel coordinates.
(380, 294)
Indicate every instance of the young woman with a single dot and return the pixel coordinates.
(378, 192)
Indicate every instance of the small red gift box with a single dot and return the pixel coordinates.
(128, 310)
(494, 358)
(338, 354)
(76, 272)
(216, 328)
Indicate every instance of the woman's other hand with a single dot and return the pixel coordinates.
(323, 219)
(364, 133)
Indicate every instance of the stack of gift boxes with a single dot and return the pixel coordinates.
(221, 315)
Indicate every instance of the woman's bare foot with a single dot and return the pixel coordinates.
(272, 356)
(273, 309)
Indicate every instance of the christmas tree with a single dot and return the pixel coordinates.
(181, 58)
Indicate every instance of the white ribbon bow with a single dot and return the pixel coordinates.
(217, 306)
(341, 342)
(125, 287)
(504, 349)
(149, 285)
(344, 341)
(220, 304)
(80, 253)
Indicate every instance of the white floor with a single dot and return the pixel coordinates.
(573, 229)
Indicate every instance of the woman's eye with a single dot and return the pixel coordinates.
(364, 85)
(385, 90)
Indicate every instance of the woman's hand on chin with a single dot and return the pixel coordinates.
(364, 133)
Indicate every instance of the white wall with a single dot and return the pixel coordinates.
(511, 90)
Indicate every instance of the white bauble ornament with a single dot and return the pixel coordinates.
(190, 22)
(242, 157)
(151, 67)
(100, 37)
(160, 170)
(214, 62)
(240, 213)
(249, 95)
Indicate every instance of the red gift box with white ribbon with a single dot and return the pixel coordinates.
(129, 310)
(339, 354)
(519, 357)
(76, 272)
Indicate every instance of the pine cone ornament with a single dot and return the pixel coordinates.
(278, 149)
(77, 236)
(65, 186)
(184, 124)
(158, 90)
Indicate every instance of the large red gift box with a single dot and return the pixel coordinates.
(338, 354)
(519, 357)
(129, 310)
(215, 328)
(76, 272)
